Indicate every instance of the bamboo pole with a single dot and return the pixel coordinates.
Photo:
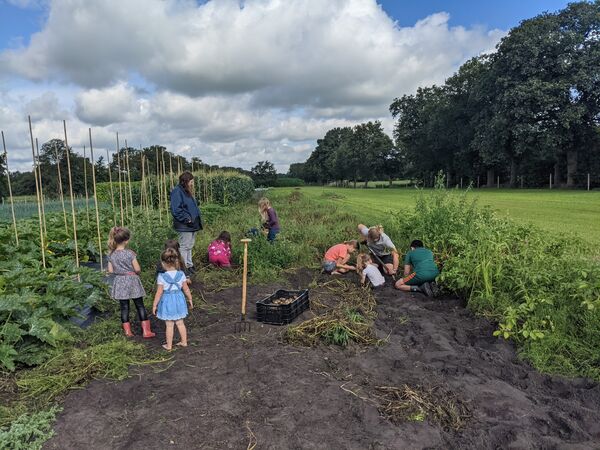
(39, 169)
(71, 194)
(146, 181)
(12, 204)
(129, 180)
(37, 193)
(151, 197)
(171, 171)
(112, 194)
(60, 189)
(158, 188)
(96, 200)
(120, 188)
(165, 194)
(85, 185)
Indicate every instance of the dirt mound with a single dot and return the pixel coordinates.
(232, 391)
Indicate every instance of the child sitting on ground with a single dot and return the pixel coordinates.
(169, 301)
(368, 269)
(219, 250)
(337, 257)
(174, 244)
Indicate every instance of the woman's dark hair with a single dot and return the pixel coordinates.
(184, 180)
(416, 243)
(224, 236)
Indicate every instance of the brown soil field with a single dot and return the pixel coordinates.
(253, 391)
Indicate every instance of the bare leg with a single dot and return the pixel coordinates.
(169, 333)
(182, 333)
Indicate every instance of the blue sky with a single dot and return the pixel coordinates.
(230, 85)
(503, 14)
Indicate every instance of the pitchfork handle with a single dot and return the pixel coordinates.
(245, 278)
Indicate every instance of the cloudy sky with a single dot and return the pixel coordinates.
(230, 81)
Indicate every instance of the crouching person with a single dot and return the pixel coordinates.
(420, 270)
(368, 270)
(336, 258)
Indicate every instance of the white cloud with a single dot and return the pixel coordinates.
(217, 80)
(106, 106)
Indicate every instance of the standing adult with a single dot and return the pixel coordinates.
(382, 247)
(187, 220)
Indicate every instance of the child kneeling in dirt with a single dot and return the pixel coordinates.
(369, 270)
(337, 257)
(219, 250)
(169, 301)
(420, 270)
(174, 244)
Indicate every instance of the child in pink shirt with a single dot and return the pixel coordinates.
(219, 250)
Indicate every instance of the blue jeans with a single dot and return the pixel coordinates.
(272, 234)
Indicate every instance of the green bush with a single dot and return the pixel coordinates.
(543, 291)
(29, 432)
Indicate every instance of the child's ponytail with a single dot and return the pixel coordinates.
(117, 236)
(170, 258)
(362, 261)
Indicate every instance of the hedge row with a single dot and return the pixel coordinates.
(220, 187)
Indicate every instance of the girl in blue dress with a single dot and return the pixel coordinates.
(169, 301)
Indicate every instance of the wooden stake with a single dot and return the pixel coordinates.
(96, 201)
(85, 185)
(60, 189)
(158, 187)
(120, 188)
(151, 196)
(39, 169)
(129, 180)
(37, 193)
(112, 194)
(71, 194)
(171, 171)
(12, 204)
(165, 194)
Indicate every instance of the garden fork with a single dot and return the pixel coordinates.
(243, 325)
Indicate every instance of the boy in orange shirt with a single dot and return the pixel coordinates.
(337, 257)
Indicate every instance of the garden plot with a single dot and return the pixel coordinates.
(434, 378)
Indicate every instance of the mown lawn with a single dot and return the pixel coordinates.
(557, 211)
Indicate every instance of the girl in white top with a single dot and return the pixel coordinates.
(169, 301)
(370, 270)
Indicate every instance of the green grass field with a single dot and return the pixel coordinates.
(556, 211)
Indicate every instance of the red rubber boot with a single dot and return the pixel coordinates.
(127, 329)
(147, 332)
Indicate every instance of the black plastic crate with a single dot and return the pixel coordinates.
(267, 312)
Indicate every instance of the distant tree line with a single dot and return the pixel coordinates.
(529, 111)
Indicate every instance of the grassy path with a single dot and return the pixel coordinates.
(555, 211)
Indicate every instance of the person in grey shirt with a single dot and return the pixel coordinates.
(381, 246)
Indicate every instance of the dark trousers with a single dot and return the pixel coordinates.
(139, 305)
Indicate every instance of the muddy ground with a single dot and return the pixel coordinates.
(231, 391)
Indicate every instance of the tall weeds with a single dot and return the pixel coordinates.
(543, 290)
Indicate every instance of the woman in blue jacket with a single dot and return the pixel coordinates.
(186, 217)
